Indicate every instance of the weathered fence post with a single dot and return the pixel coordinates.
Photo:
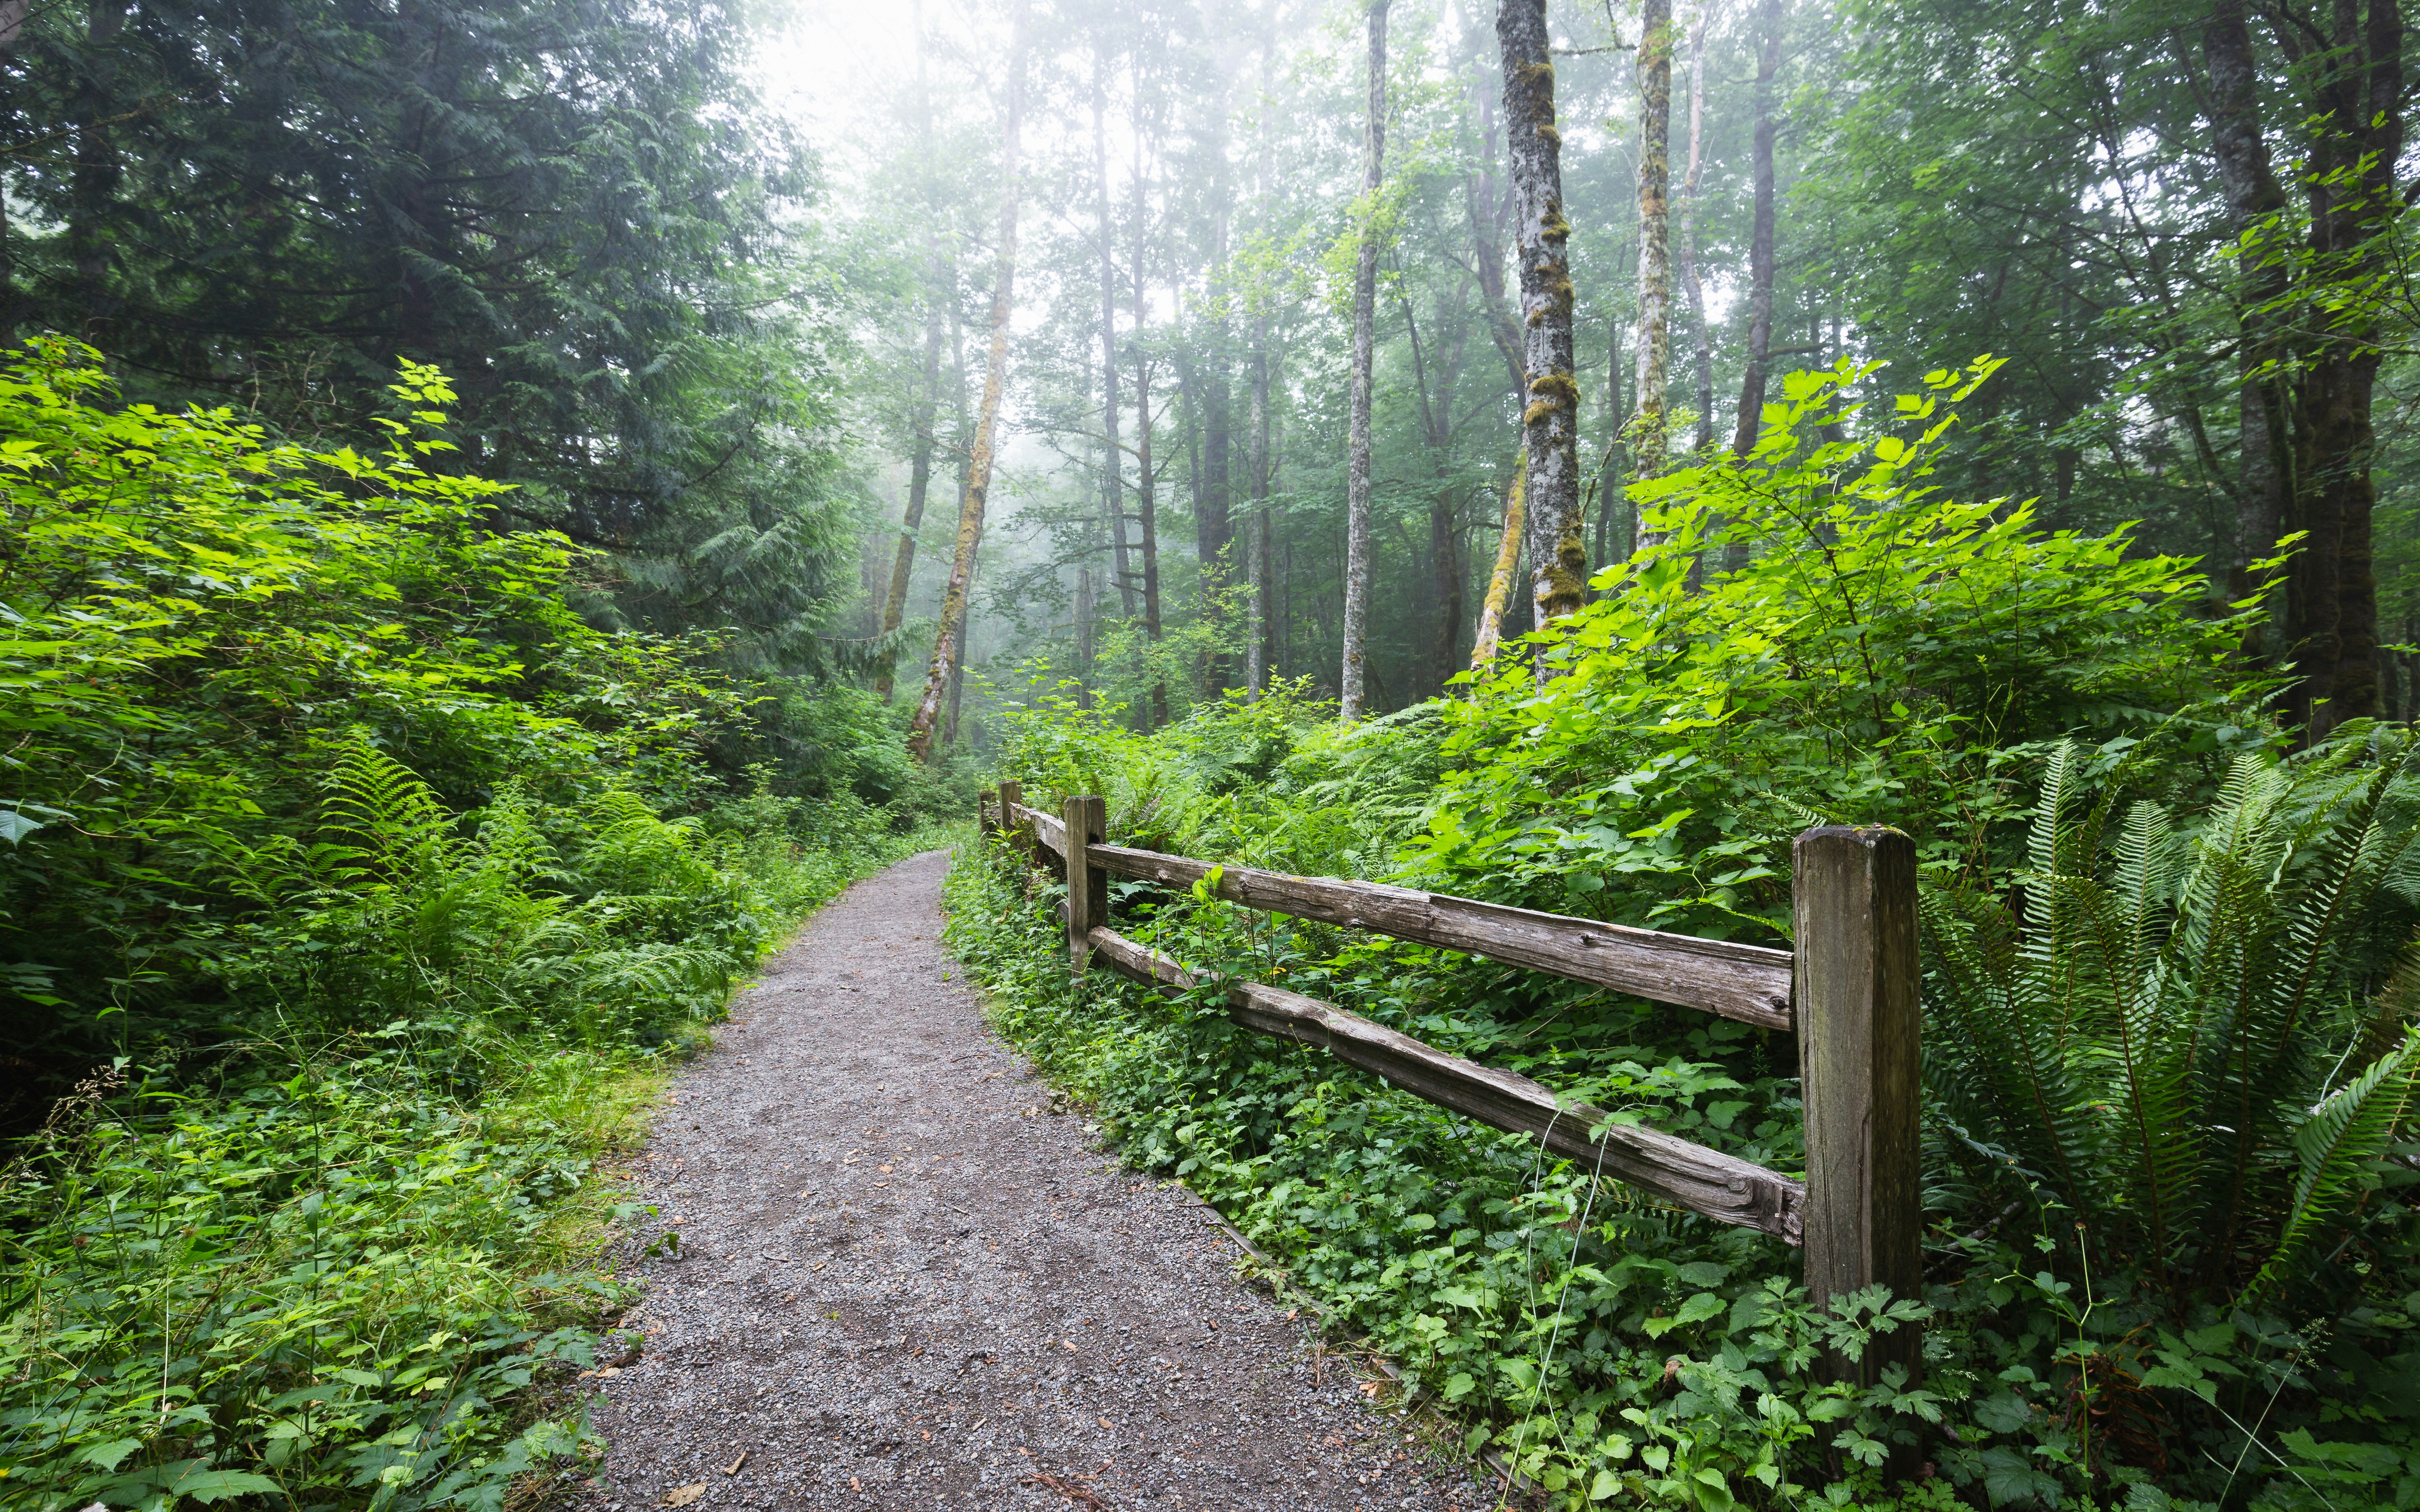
(1859, 1057)
(1088, 886)
(1010, 794)
(983, 813)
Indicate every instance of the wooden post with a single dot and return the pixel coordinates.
(1088, 886)
(983, 813)
(1011, 795)
(1859, 1057)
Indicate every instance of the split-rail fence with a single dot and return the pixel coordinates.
(1848, 991)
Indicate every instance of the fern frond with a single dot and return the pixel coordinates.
(2336, 1147)
(379, 823)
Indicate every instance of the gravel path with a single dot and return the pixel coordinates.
(905, 1280)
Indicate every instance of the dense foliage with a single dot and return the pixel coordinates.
(356, 891)
(2168, 1242)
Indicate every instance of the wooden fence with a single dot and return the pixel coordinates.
(1849, 991)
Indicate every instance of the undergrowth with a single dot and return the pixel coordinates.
(2171, 1259)
(352, 1263)
(1603, 1344)
(354, 894)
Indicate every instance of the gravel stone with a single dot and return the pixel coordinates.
(910, 1277)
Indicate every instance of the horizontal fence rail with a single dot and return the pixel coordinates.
(1848, 990)
(1746, 982)
(1687, 1175)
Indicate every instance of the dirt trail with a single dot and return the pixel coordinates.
(904, 1282)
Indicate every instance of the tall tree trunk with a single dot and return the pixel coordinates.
(1760, 248)
(1648, 432)
(1282, 661)
(920, 473)
(1442, 593)
(957, 696)
(1499, 582)
(1214, 506)
(12, 28)
(1258, 634)
(1488, 211)
(1147, 506)
(1146, 483)
(1085, 634)
(1550, 421)
(1112, 495)
(1445, 562)
(946, 646)
(2354, 114)
(92, 185)
(1614, 499)
(1689, 197)
(1365, 313)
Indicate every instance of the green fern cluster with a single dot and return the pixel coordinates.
(2197, 1041)
(600, 923)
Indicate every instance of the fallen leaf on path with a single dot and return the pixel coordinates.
(732, 1468)
(1066, 1487)
(683, 1495)
(1106, 1424)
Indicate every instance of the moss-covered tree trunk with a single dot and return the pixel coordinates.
(1550, 431)
(1648, 430)
(948, 644)
(1499, 582)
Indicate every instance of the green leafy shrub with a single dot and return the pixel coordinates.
(381, 888)
(1883, 655)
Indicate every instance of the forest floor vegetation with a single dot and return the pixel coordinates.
(2169, 1011)
(355, 893)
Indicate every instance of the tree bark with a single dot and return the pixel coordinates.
(1759, 250)
(919, 474)
(957, 696)
(1365, 304)
(946, 646)
(1550, 420)
(1214, 506)
(1689, 197)
(1259, 648)
(1613, 498)
(12, 29)
(1499, 582)
(1488, 209)
(1112, 493)
(2306, 435)
(1146, 483)
(93, 182)
(1648, 431)
(1434, 393)
(1084, 635)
